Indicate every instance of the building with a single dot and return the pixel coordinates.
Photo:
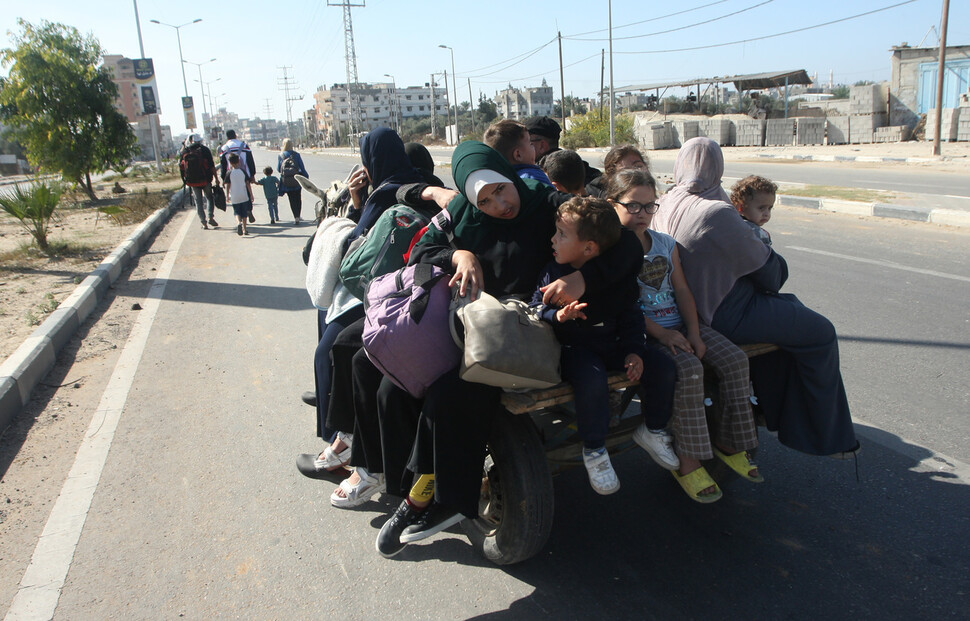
(912, 87)
(123, 75)
(519, 103)
(381, 105)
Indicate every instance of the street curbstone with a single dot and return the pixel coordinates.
(799, 201)
(59, 327)
(100, 279)
(10, 404)
(33, 360)
(83, 300)
(111, 266)
(885, 210)
(950, 217)
(853, 208)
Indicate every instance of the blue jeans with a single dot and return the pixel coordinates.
(199, 205)
(586, 368)
(273, 213)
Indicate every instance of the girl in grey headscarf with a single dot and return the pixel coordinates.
(735, 279)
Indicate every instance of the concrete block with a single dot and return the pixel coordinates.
(99, 280)
(59, 327)
(33, 360)
(780, 132)
(852, 208)
(111, 266)
(893, 133)
(810, 130)
(750, 133)
(862, 127)
(950, 217)
(83, 300)
(799, 201)
(949, 124)
(717, 129)
(837, 130)
(885, 210)
(655, 136)
(10, 404)
(867, 99)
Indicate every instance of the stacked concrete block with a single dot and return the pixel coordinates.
(779, 132)
(862, 127)
(810, 130)
(867, 99)
(682, 131)
(750, 133)
(718, 130)
(653, 136)
(837, 130)
(963, 126)
(950, 126)
(892, 133)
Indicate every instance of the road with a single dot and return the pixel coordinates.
(200, 512)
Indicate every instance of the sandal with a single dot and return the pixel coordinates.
(741, 463)
(697, 481)
(331, 460)
(357, 493)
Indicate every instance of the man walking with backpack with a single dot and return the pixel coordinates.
(198, 171)
(289, 165)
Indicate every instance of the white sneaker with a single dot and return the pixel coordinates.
(601, 474)
(660, 446)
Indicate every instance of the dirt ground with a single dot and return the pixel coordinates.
(31, 285)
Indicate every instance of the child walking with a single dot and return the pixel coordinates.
(603, 332)
(271, 191)
(240, 191)
(754, 197)
(670, 318)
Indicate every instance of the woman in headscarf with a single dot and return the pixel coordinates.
(735, 279)
(289, 186)
(502, 228)
(385, 168)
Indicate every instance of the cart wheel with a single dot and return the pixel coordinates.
(516, 505)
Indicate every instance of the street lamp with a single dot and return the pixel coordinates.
(201, 83)
(454, 89)
(394, 101)
(178, 35)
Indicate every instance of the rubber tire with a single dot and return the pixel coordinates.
(520, 484)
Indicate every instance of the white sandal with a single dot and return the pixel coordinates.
(356, 494)
(332, 460)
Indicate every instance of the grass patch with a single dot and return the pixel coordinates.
(845, 194)
(27, 253)
(133, 209)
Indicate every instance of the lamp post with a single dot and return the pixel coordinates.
(207, 94)
(396, 119)
(152, 118)
(178, 35)
(454, 89)
(201, 84)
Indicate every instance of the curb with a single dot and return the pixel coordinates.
(845, 158)
(33, 360)
(950, 217)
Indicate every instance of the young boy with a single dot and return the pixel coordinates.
(271, 191)
(604, 332)
(511, 139)
(754, 197)
(566, 171)
(240, 190)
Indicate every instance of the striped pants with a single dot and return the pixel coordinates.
(689, 423)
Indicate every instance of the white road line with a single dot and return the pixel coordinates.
(882, 263)
(44, 578)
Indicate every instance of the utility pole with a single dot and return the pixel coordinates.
(448, 108)
(562, 83)
(602, 73)
(287, 84)
(350, 54)
(471, 103)
(268, 108)
(434, 110)
(939, 80)
(153, 122)
(612, 121)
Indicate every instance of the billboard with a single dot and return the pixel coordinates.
(147, 90)
(189, 109)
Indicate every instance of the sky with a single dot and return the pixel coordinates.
(495, 44)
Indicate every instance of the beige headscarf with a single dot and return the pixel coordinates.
(716, 246)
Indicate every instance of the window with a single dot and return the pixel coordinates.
(409, 108)
(408, 97)
(420, 97)
(420, 108)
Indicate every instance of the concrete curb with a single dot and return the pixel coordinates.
(844, 158)
(950, 217)
(34, 359)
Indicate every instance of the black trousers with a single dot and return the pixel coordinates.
(295, 196)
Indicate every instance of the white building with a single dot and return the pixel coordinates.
(380, 106)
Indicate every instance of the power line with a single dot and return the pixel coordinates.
(546, 44)
(533, 53)
(652, 19)
(771, 36)
(660, 32)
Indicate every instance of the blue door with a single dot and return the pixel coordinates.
(956, 80)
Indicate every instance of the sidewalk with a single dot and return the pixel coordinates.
(955, 158)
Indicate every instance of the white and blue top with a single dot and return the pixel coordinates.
(656, 292)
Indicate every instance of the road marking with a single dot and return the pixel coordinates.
(40, 588)
(882, 263)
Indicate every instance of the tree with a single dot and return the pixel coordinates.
(487, 110)
(573, 106)
(58, 101)
(840, 92)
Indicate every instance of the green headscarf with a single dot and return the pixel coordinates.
(469, 224)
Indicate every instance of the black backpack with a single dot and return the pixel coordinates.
(194, 167)
(288, 172)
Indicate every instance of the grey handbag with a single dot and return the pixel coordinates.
(505, 344)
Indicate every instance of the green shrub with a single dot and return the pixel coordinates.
(34, 207)
(593, 130)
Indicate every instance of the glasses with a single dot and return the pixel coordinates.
(633, 207)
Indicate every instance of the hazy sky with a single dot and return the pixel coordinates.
(495, 43)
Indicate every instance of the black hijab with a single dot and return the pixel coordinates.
(382, 153)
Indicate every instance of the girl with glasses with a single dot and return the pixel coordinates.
(670, 316)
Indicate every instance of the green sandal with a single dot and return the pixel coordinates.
(741, 463)
(697, 481)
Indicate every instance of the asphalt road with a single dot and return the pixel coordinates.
(200, 512)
